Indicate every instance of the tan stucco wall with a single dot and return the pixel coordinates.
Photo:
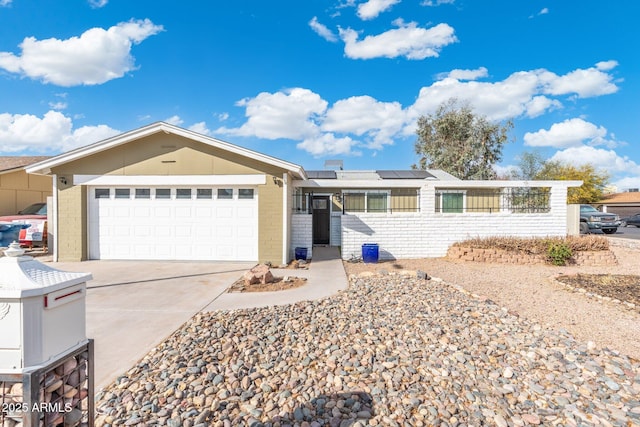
(167, 154)
(19, 190)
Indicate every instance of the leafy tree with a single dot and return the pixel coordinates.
(594, 181)
(530, 166)
(460, 142)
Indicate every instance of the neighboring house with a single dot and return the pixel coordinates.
(19, 189)
(166, 193)
(623, 204)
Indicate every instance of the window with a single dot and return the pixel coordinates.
(225, 193)
(143, 193)
(102, 193)
(245, 193)
(204, 193)
(452, 202)
(376, 202)
(163, 193)
(320, 204)
(354, 202)
(366, 201)
(183, 193)
(123, 193)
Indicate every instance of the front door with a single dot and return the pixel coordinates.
(321, 219)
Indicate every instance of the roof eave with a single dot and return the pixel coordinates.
(45, 166)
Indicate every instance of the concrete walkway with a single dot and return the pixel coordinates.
(132, 306)
(325, 277)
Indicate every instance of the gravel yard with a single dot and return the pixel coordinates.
(531, 292)
(393, 350)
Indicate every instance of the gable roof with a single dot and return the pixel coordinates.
(44, 167)
(628, 197)
(11, 163)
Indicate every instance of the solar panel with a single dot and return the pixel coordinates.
(404, 174)
(321, 174)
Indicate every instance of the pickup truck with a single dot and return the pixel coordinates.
(592, 219)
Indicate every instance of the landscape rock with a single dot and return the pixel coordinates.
(258, 274)
(390, 350)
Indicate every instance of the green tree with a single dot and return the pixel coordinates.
(460, 142)
(594, 181)
(530, 165)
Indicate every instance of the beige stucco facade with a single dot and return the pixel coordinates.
(166, 154)
(19, 190)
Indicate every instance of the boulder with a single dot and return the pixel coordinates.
(258, 274)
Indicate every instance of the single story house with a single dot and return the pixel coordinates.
(166, 193)
(19, 189)
(624, 204)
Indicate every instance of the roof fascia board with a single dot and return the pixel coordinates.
(168, 129)
(392, 183)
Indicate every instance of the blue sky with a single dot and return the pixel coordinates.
(312, 80)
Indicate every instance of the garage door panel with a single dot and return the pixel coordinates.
(183, 212)
(166, 229)
(163, 211)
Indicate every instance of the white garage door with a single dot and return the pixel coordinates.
(173, 223)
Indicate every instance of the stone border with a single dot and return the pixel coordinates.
(625, 304)
(583, 258)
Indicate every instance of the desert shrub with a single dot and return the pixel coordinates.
(537, 245)
(558, 253)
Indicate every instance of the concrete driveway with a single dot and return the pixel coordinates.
(132, 306)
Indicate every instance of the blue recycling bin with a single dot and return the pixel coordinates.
(370, 253)
(301, 253)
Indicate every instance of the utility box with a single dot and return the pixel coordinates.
(46, 360)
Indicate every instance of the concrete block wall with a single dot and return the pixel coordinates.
(429, 234)
(301, 234)
(336, 230)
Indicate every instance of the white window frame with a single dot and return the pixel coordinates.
(366, 199)
(439, 194)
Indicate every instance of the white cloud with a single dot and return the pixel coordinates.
(570, 133)
(5, 3)
(174, 120)
(362, 115)
(465, 74)
(544, 11)
(607, 160)
(328, 145)
(322, 30)
(408, 40)
(287, 114)
(584, 83)
(436, 2)
(523, 93)
(223, 117)
(58, 105)
(97, 4)
(302, 115)
(372, 8)
(200, 127)
(50, 134)
(95, 57)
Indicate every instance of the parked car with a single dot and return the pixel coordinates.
(632, 220)
(592, 219)
(36, 211)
